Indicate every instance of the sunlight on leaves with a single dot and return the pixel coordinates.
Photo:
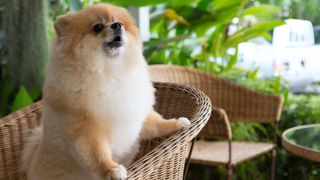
(22, 99)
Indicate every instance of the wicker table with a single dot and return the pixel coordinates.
(303, 141)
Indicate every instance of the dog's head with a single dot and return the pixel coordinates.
(101, 28)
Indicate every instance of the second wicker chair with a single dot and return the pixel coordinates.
(230, 102)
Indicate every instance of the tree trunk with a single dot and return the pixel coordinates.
(26, 42)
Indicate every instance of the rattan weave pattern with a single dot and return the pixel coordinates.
(240, 103)
(162, 158)
(13, 129)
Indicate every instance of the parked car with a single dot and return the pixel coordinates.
(292, 54)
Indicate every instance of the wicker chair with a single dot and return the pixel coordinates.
(161, 158)
(230, 102)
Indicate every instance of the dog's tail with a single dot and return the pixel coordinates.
(30, 149)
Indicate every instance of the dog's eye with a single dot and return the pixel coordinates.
(98, 27)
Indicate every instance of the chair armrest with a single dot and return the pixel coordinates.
(171, 153)
(218, 125)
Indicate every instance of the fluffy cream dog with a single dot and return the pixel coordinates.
(97, 99)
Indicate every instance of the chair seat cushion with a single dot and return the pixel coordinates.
(217, 152)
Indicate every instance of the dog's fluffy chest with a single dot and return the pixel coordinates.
(125, 101)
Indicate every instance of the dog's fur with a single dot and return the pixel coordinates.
(97, 100)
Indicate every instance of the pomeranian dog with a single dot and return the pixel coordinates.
(97, 100)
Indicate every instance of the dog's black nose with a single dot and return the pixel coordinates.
(116, 26)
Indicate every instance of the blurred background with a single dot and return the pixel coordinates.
(268, 45)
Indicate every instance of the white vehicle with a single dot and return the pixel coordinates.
(292, 54)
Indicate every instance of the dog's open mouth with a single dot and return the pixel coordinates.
(116, 42)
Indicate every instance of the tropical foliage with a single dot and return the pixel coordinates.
(205, 34)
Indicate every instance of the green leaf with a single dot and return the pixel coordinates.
(277, 85)
(266, 36)
(22, 99)
(232, 61)
(178, 3)
(204, 4)
(223, 4)
(255, 30)
(138, 3)
(226, 15)
(216, 39)
(184, 59)
(75, 5)
(253, 74)
(286, 96)
(126, 3)
(216, 46)
(261, 10)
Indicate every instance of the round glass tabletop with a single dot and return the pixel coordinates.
(303, 141)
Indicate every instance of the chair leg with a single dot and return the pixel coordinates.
(186, 166)
(230, 171)
(273, 166)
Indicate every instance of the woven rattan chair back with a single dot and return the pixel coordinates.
(240, 103)
(162, 158)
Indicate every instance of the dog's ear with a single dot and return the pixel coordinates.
(61, 25)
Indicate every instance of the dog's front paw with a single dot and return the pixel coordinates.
(118, 173)
(183, 123)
